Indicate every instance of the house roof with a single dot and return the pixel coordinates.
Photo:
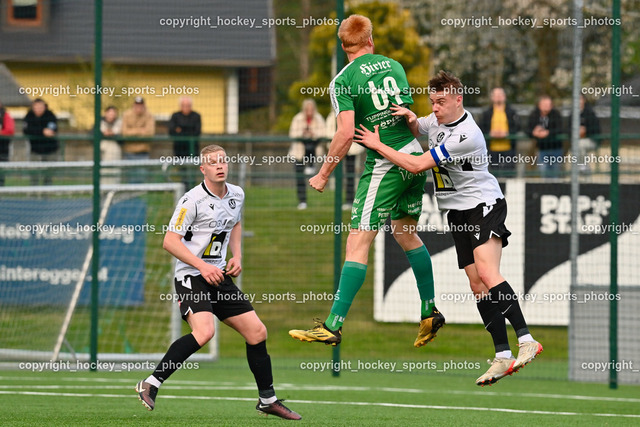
(207, 32)
(9, 94)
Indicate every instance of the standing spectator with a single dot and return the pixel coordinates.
(110, 149)
(350, 161)
(589, 127)
(42, 126)
(137, 122)
(308, 127)
(185, 123)
(545, 126)
(500, 121)
(7, 128)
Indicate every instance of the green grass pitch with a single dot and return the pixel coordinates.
(223, 394)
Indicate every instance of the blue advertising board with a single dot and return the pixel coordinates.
(44, 244)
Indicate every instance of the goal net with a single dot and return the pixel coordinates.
(45, 275)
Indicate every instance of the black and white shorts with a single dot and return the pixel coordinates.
(224, 300)
(472, 227)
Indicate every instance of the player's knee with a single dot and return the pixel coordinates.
(489, 277)
(203, 334)
(407, 241)
(257, 334)
(478, 288)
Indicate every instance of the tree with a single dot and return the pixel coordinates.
(524, 58)
(394, 35)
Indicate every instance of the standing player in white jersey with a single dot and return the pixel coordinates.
(477, 212)
(206, 222)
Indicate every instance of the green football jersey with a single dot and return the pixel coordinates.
(368, 85)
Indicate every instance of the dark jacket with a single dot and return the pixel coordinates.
(33, 126)
(189, 125)
(553, 123)
(589, 120)
(512, 121)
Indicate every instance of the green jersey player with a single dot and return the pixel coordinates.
(361, 95)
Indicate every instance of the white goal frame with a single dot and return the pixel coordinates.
(56, 353)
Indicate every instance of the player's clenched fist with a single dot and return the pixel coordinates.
(318, 182)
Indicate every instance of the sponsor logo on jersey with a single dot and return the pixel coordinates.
(375, 67)
(232, 204)
(211, 206)
(185, 200)
(180, 219)
(463, 137)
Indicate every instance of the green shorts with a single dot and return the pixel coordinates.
(386, 190)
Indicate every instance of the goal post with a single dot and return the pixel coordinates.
(45, 251)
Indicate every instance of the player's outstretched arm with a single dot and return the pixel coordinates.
(413, 164)
(234, 266)
(338, 148)
(410, 117)
(172, 243)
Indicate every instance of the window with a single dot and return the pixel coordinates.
(25, 13)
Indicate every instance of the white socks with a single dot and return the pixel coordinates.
(268, 400)
(525, 338)
(153, 381)
(506, 354)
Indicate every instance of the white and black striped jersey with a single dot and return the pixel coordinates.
(205, 221)
(461, 179)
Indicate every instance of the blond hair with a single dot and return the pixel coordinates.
(213, 148)
(354, 32)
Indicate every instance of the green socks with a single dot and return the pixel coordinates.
(420, 262)
(351, 280)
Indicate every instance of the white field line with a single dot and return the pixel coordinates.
(221, 385)
(325, 402)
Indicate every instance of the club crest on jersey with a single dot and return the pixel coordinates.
(232, 204)
(440, 137)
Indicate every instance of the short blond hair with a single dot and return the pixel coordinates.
(354, 32)
(209, 149)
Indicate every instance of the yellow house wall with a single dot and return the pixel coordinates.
(64, 88)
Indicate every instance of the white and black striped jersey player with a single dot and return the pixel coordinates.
(205, 221)
(461, 178)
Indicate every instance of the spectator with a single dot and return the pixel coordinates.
(545, 126)
(42, 126)
(500, 121)
(350, 161)
(308, 127)
(110, 149)
(185, 123)
(7, 128)
(137, 122)
(589, 127)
